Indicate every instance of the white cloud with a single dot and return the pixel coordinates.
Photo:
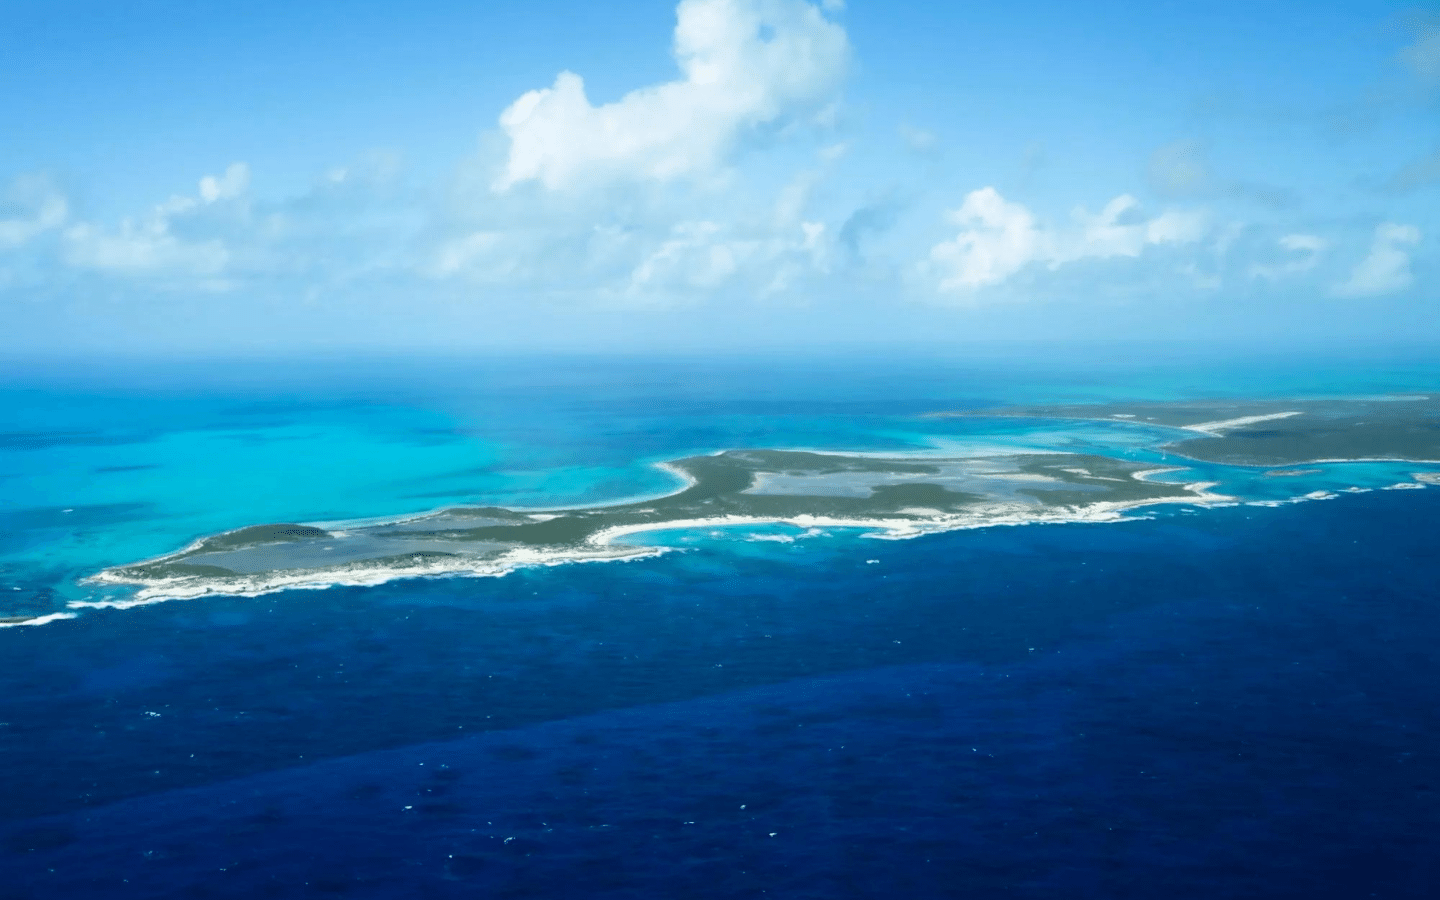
(1387, 268)
(31, 206)
(745, 63)
(150, 246)
(694, 257)
(998, 238)
(1121, 230)
(142, 247)
(643, 246)
(225, 187)
(468, 253)
(701, 257)
(1309, 247)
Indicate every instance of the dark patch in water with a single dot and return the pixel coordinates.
(99, 514)
(513, 753)
(45, 440)
(40, 838)
(366, 792)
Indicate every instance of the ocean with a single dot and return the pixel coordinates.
(1233, 701)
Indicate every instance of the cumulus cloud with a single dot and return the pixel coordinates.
(1387, 268)
(642, 267)
(694, 256)
(32, 205)
(706, 256)
(227, 186)
(643, 248)
(998, 238)
(151, 245)
(744, 64)
(142, 247)
(1305, 251)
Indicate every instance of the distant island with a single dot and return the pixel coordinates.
(1275, 432)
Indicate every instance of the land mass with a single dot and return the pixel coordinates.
(1273, 432)
(894, 496)
(897, 495)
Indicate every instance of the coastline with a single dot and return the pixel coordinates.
(606, 545)
(1270, 432)
(885, 495)
(22, 622)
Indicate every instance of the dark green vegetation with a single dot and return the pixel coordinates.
(256, 535)
(176, 569)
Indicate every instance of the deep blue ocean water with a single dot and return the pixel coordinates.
(1234, 702)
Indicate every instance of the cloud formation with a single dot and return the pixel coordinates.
(744, 64)
(706, 256)
(228, 186)
(1387, 269)
(31, 206)
(1305, 251)
(648, 203)
(151, 245)
(998, 238)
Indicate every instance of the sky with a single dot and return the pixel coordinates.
(208, 177)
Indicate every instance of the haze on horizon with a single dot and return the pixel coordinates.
(717, 174)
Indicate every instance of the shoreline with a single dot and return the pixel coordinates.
(687, 481)
(1103, 512)
(604, 545)
(46, 619)
(1268, 432)
(319, 579)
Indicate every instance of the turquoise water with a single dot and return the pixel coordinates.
(129, 460)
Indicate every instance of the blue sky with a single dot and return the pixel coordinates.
(721, 173)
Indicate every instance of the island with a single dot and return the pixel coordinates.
(899, 496)
(1402, 427)
(890, 496)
